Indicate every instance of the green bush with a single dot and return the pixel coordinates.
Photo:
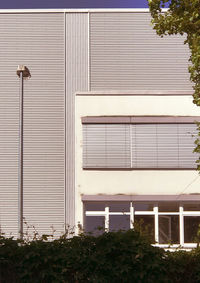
(111, 257)
(183, 266)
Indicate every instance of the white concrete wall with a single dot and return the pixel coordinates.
(143, 182)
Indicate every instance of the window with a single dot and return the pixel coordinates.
(166, 223)
(142, 143)
(106, 146)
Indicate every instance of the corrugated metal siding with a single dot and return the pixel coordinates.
(76, 80)
(126, 54)
(35, 40)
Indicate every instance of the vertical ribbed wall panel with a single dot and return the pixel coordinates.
(76, 80)
(37, 41)
(127, 54)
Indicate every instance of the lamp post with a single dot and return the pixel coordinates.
(22, 72)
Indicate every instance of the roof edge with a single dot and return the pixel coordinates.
(84, 10)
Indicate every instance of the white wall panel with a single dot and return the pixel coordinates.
(126, 54)
(134, 182)
(37, 41)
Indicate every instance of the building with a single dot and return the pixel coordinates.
(109, 124)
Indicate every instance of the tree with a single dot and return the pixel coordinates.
(182, 17)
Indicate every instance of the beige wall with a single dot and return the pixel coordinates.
(160, 182)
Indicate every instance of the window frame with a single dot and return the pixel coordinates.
(155, 212)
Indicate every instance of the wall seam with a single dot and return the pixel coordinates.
(64, 122)
(89, 68)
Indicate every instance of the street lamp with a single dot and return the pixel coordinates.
(22, 72)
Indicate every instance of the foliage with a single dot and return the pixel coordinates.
(110, 257)
(183, 266)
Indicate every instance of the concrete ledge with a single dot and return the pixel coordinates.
(135, 93)
(143, 198)
(140, 119)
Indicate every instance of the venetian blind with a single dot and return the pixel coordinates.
(106, 146)
(139, 146)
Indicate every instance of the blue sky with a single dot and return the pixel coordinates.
(33, 4)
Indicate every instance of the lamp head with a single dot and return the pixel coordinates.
(24, 70)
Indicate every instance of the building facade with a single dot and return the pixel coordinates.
(109, 124)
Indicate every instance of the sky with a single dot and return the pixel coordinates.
(50, 4)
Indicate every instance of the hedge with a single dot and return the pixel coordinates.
(111, 257)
